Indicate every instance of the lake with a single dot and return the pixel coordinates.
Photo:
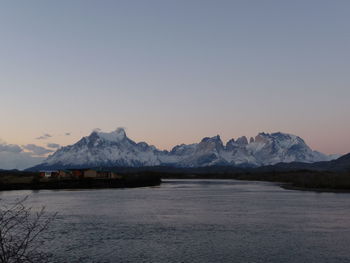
(196, 221)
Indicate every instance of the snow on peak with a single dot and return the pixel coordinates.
(212, 139)
(114, 136)
(242, 140)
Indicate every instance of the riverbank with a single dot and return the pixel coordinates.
(30, 181)
(319, 181)
(317, 190)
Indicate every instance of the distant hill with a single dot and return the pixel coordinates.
(342, 164)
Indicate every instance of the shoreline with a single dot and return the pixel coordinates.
(296, 180)
(84, 184)
(317, 190)
(283, 185)
(114, 184)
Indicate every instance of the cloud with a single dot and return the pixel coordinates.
(67, 133)
(21, 160)
(13, 157)
(44, 137)
(53, 145)
(4, 147)
(37, 150)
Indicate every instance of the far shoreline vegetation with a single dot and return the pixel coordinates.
(321, 180)
(25, 180)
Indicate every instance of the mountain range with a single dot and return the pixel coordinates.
(115, 149)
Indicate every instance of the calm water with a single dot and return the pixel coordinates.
(196, 221)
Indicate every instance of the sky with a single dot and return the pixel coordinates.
(172, 72)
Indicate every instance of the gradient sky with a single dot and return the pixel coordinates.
(175, 71)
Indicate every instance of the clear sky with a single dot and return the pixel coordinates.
(175, 71)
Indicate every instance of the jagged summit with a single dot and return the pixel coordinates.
(242, 140)
(114, 136)
(216, 140)
(107, 149)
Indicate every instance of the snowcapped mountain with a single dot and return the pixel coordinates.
(206, 153)
(101, 149)
(105, 149)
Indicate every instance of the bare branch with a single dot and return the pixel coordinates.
(20, 231)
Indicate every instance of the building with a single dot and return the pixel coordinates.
(101, 174)
(90, 173)
(48, 174)
(65, 174)
(81, 173)
(78, 173)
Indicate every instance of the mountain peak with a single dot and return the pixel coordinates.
(112, 149)
(114, 136)
(120, 131)
(242, 140)
(212, 139)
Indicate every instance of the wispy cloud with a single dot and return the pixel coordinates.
(53, 145)
(44, 137)
(37, 150)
